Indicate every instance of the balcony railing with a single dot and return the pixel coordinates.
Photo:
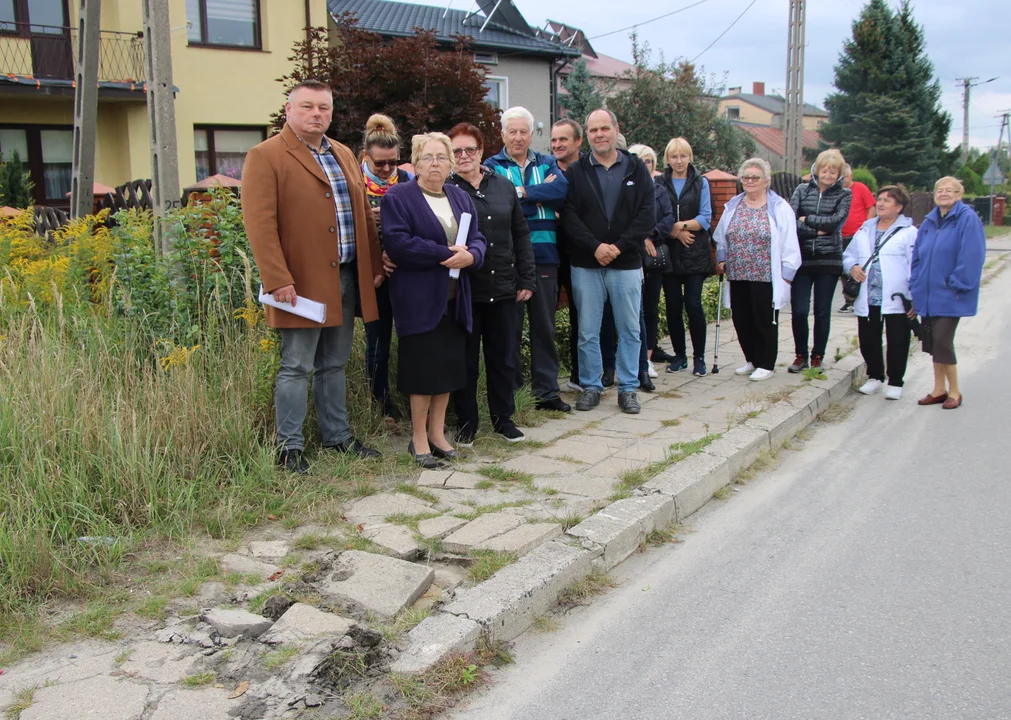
(48, 52)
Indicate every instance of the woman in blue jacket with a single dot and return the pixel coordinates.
(944, 281)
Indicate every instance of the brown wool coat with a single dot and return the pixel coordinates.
(288, 211)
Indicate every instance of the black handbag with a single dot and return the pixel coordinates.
(851, 288)
(662, 263)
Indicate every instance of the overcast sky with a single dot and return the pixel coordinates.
(964, 38)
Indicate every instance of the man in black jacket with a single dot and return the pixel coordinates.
(608, 214)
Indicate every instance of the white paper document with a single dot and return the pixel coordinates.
(461, 239)
(303, 307)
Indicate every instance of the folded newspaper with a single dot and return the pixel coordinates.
(303, 307)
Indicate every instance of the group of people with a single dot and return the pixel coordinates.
(458, 254)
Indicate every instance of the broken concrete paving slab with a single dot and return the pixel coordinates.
(464, 481)
(433, 639)
(382, 505)
(537, 465)
(97, 698)
(631, 424)
(235, 563)
(507, 603)
(620, 528)
(586, 485)
(303, 622)
(479, 530)
(236, 623)
(691, 482)
(376, 583)
(161, 663)
(449, 577)
(522, 539)
(440, 527)
(195, 704)
(269, 549)
(433, 478)
(614, 466)
(582, 452)
(398, 539)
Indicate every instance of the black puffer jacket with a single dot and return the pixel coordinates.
(697, 258)
(822, 211)
(509, 256)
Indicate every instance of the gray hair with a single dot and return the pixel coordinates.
(847, 170)
(645, 152)
(517, 112)
(614, 118)
(759, 163)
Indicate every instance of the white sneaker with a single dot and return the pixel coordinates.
(574, 387)
(745, 369)
(651, 370)
(893, 393)
(761, 374)
(871, 386)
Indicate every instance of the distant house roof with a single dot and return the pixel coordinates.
(773, 103)
(772, 138)
(606, 66)
(398, 19)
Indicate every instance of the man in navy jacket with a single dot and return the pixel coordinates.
(609, 212)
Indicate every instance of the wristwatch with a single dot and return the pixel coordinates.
(519, 192)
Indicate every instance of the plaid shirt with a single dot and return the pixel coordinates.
(341, 200)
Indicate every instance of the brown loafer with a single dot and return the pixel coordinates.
(951, 403)
(931, 400)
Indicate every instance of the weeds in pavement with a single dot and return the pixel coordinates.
(393, 630)
(766, 459)
(670, 422)
(636, 477)
(23, 700)
(493, 652)
(280, 657)
(835, 413)
(488, 562)
(199, 679)
(545, 624)
(411, 489)
(723, 493)
(480, 510)
(660, 536)
(363, 706)
(813, 373)
(497, 472)
(596, 583)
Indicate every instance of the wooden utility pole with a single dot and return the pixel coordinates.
(793, 116)
(82, 182)
(161, 116)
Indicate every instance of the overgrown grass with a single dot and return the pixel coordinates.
(579, 593)
(488, 562)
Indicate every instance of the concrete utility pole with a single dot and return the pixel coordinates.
(967, 85)
(161, 115)
(995, 176)
(793, 117)
(82, 183)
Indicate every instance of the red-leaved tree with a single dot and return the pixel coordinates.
(422, 85)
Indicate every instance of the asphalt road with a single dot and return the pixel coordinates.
(867, 576)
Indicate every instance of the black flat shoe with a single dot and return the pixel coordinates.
(451, 454)
(353, 447)
(425, 460)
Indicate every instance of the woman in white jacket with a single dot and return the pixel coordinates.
(887, 275)
(756, 245)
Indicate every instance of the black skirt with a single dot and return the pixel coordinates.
(433, 362)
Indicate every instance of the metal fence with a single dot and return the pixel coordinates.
(49, 52)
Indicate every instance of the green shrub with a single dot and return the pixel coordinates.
(864, 175)
(971, 180)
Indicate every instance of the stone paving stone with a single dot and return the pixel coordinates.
(631, 424)
(433, 639)
(98, 698)
(570, 447)
(302, 622)
(553, 429)
(161, 663)
(440, 527)
(449, 577)
(398, 539)
(647, 451)
(195, 704)
(464, 481)
(235, 563)
(523, 539)
(478, 530)
(269, 549)
(78, 661)
(236, 623)
(536, 465)
(614, 466)
(374, 507)
(593, 486)
(377, 583)
(433, 478)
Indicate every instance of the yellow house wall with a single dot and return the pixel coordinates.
(749, 113)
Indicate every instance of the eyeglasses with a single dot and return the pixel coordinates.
(384, 163)
(945, 191)
(468, 151)
(428, 159)
(751, 178)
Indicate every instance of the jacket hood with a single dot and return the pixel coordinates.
(901, 222)
(532, 155)
(957, 210)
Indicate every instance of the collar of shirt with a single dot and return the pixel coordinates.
(620, 162)
(324, 146)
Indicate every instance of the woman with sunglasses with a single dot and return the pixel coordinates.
(380, 158)
(507, 277)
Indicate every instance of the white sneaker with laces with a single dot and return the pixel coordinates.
(893, 393)
(745, 369)
(651, 370)
(761, 374)
(870, 387)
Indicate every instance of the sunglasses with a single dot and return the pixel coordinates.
(384, 163)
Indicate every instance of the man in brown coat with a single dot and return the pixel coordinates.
(313, 236)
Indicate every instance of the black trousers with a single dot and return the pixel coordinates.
(495, 325)
(565, 281)
(896, 326)
(755, 321)
(540, 309)
(823, 285)
(684, 293)
(378, 336)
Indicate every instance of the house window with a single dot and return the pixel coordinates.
(7, 16)
(47, 154)
(227, 23)
(486, 58)
(221, 150)
(33, 17)
(733, 113)
(497, 92)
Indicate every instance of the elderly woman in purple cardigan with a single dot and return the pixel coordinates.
(431, 309)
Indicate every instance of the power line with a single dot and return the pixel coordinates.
(647, 22)
(724, 32)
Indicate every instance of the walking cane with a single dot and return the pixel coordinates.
(719, 314)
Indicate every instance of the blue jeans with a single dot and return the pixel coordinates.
(623, 288)
(323, 351)
(609, 340)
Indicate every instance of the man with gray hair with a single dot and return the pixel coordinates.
(541, 187)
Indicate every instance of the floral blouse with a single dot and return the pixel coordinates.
(749, 245)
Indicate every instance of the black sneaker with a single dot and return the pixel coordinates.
(678, 363)
(293, 461)
(659, 355)
(700, 368)
(588, 400)
(508, 430)
(629, 403)
(645, 382)
(607, 379)
(353, 447)
(846, 308)
(465, 436)
(555, 403)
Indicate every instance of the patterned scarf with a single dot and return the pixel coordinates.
(376, 186)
